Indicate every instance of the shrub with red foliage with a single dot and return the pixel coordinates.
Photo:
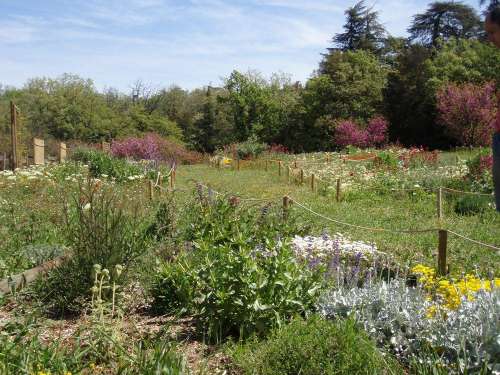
(418, 156)
(153, 147)
(348, 133)
(468, 112)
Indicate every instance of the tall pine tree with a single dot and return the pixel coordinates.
(444, 20)
(362, 30)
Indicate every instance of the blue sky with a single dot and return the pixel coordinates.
(190, 43)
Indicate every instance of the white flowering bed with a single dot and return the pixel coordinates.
(325, 246)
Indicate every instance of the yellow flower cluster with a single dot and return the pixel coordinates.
(449, 292)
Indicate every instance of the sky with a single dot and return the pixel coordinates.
(190, 43)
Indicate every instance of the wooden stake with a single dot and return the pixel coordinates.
(238, 164)
(286, 202)
(443, 243)
(295, 164)
(288, 173)
(312, 182)
(440, 203)
(266, 166)
(338, 190)
(151, 190)
(279, 168)
(301, 176)
(13, 136)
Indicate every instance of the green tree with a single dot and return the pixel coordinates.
(362, 30)
(357, 80)
(408, 106)
(445, 20)
(203, 139)
(463, 61)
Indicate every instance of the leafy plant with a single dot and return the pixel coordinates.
(251, 148)
(403, 320)
(314, 346)
(100, 163)
(240, 278)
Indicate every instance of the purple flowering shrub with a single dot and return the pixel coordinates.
(468, 112)
(348, 133)
(153, 147)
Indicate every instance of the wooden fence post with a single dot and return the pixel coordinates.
(62, 152)
(279, 168)
(150, 190)
(295, 164)
(238, 163)
(288, 174)
(286, 203)
(266, 167)
(301, 176)
(338, 190)
(312, 182)
(443, 243)
(13, 136)
(439, 203)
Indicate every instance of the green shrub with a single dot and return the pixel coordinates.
(251, 148)
(387, 159)
(101, 163)
(314, 346)
(239, 279)
(472, 204)
(98, 230)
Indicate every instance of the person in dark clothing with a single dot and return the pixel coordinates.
(492, 28)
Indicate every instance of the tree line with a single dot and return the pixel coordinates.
(366, 74)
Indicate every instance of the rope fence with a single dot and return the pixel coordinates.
(300, 175)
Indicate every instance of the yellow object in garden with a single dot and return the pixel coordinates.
(449, 292)
(226, 161)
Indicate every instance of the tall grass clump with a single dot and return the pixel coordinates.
(240, 276)
(98, 229)
(314, 346)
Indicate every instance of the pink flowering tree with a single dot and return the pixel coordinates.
(148, 147)
(348, 133)
(376, 131)
(468, 112)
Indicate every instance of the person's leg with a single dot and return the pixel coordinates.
(496, 168)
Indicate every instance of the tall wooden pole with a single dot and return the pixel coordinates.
(443, 243)
(440, 203)
(286, 202)
(13, 135)
(338, 192)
